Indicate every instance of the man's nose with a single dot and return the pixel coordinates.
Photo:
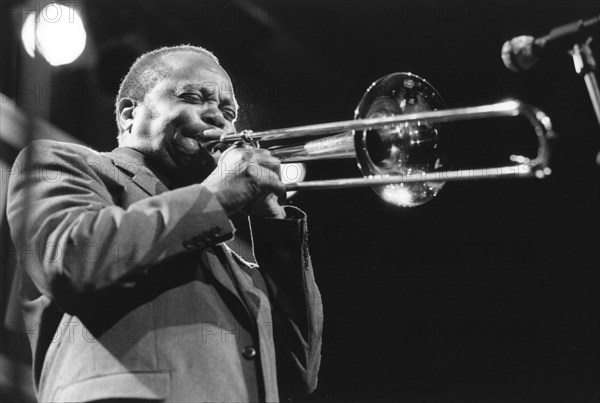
(214, 117)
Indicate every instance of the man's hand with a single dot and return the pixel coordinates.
(249, 179)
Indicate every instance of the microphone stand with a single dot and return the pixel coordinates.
(585, 66)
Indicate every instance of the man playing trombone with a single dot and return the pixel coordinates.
(124, 251)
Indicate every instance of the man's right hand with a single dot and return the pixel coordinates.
(245, 176)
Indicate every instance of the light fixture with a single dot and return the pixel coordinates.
(56, 32)
(291, 173)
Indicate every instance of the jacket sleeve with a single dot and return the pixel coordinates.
(281, 250)
(74, 240)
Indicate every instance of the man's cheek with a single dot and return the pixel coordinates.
(185, 145)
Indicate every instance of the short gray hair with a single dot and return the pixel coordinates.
(147, 71)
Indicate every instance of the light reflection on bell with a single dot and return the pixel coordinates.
(406, 149)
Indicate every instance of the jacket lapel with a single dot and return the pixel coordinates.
(131, 162)
(213, 259)
(217, 259)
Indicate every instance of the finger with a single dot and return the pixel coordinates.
(279, 199)
(264, 158)
(261, 153)
(213, 133)
(281, 194)
(272, 164)
(250, 161)
(233, 155)
(274, 184)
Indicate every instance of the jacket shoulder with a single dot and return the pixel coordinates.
(41, 147)
(43, 152)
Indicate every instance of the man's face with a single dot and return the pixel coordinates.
(169, 123)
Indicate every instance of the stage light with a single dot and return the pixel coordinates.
(292, 173)
(57, 33)
(28, 34)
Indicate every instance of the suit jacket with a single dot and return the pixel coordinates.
(130, 293)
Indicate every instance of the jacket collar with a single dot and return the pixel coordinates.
(133, 163)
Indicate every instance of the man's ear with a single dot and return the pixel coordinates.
(126, 109)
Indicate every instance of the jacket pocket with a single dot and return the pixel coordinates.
(143, 385)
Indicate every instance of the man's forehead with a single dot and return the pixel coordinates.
(207, 85)
(196, 71)
(187, 62)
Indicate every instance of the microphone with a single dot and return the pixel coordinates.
(522, 52)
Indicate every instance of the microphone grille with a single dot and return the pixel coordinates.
(518, 53)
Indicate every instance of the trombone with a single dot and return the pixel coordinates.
(396, 140)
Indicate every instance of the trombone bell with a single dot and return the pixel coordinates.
(409, 148)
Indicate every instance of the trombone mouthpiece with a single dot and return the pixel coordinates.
(224, 137)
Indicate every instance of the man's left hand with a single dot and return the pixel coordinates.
(267, 207)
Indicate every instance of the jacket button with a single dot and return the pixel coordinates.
(249, 352)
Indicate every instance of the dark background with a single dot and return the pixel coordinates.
(488, 293)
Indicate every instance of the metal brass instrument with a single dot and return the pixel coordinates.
(396, 140)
